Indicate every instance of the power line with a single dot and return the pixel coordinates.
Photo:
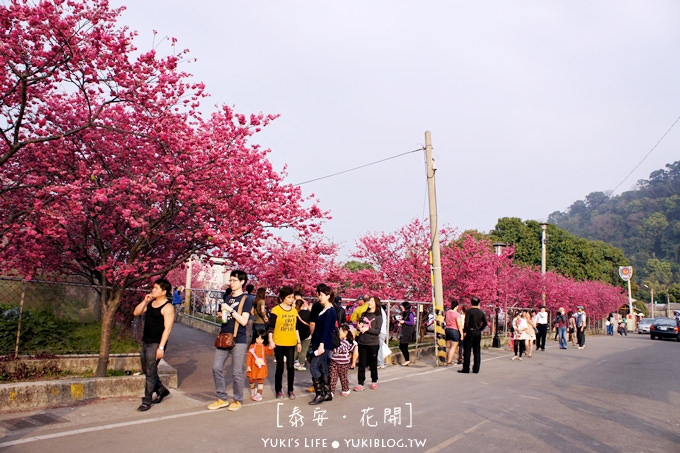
(359, 167)
(639, 163)
(648, 153)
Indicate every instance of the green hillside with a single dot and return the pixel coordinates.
(644, 223)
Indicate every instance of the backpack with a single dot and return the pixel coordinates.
(340, 313)
(336, 337)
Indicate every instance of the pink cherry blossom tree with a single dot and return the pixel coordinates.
(301, 265)
(127, 179)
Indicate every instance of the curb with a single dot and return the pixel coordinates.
(66, 392)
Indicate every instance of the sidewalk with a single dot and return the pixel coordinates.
(193, 361)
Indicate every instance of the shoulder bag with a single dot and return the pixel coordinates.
(226, 340)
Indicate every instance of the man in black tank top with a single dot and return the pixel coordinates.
(160, 317)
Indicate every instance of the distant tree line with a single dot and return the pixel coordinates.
(644, 223)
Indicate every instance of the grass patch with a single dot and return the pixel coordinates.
(49, 371)
(85, 339)
(42, 333)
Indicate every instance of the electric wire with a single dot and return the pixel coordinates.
(359, 167)
(639, 163)
(648, 153)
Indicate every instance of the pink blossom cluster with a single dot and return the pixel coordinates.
(400, 270)
(108, 169)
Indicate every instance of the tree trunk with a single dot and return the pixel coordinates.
(108, 318)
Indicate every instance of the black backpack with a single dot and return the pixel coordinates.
(336, 338)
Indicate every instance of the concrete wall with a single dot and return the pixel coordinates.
(44, 394)
(80, 363)
(200, 324)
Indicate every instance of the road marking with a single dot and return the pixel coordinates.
(455, 438)
(92, 429)
(26, 440)
(443, 368)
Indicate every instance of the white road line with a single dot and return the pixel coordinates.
(455, 438)
(26, 440)
(74, 432)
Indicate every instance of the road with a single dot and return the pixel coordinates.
(619, 394)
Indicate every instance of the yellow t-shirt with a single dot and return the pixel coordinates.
(284, 333)
(356, 314)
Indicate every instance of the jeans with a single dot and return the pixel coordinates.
(562, 332)
(301, 357)
(238, 365)
(288, 352)
(368, 356)
(320, 365)
(150, 369)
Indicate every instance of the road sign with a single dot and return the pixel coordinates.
(626, 272)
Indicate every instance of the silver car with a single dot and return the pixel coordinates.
(643, 325)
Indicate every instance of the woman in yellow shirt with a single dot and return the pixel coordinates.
(284, 339)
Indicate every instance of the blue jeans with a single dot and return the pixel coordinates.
(150, 369)
(562, 332)
(238, 365)
(319, 366)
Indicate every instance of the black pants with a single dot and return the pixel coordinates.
(520, 347)
(472, 343)
(368, 356)
(289, 353)
(581, 337)
(403, 347)
(541, 334)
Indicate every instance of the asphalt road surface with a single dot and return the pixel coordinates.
(619, 394)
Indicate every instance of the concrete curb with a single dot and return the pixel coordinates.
(65, 392)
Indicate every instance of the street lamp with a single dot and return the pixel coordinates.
(651, 297)
(498, 248)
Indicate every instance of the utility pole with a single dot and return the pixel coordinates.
(187, 287)
(544, 243)
(435, 255)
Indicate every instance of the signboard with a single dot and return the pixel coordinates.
(626, 272)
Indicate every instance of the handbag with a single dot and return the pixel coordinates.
(226, 340)
(384, 349)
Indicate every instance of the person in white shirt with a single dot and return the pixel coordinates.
(541, 328)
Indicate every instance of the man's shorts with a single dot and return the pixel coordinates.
(452, 334)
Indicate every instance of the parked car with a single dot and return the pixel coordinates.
(665, 328)
(644, 324)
